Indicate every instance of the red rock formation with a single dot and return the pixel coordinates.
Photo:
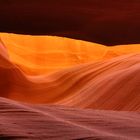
(83, 75)
(100, 85)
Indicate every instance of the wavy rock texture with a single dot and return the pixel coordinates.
(54, 74)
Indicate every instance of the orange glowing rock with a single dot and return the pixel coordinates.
(43, 54)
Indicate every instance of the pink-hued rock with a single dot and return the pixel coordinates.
(49, 122)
